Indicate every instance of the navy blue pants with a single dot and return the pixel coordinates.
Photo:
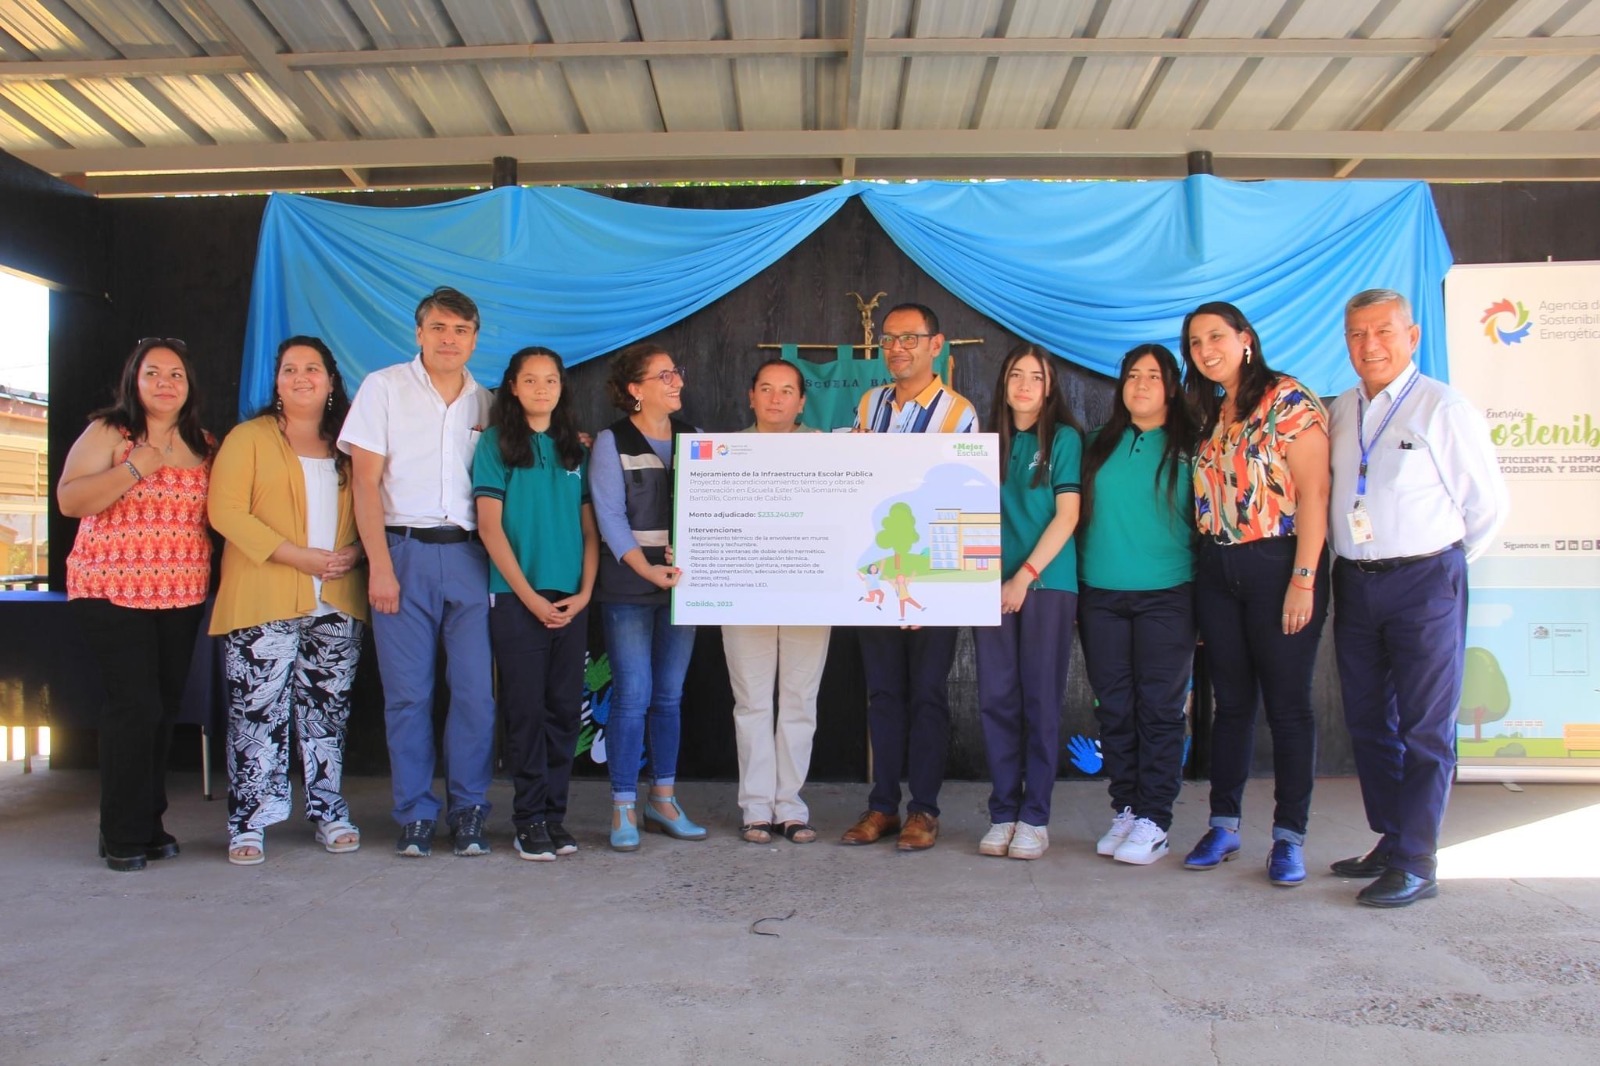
(1138, 648)
(908, 713)
(1022, 677)
(541, 702)
(1400, 638)
(1239, 590)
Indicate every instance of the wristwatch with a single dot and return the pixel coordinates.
(1304, 571)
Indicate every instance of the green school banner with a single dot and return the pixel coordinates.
(834, 389)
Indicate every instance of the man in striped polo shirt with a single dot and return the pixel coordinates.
(908, 707)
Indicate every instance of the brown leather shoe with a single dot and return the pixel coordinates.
(920, 832)
(871, 827)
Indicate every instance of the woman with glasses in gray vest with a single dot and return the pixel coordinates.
(630, 483)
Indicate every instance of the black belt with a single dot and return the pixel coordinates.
(433, 534)
(1383, 566)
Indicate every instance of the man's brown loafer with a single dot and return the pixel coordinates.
(920, 832)
(871, 827)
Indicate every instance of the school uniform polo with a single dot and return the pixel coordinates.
(1141, 538)
(1026, 509)
(542, 504)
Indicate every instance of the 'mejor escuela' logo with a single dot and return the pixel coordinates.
(1500, 312)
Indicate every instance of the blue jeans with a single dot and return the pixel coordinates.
(1239, 592)
(649, 659)
(444, 595)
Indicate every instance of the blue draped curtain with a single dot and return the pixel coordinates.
(1087, 269)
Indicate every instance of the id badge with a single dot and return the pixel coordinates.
(1360, 525)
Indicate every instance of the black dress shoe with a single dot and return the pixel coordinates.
(164, 846)
(1397, 888)
(121, 863)
(1371, 864)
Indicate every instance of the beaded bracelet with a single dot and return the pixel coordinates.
(137, 477)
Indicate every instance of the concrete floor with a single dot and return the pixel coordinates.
(939, 957)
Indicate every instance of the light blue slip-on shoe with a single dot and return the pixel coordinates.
(679, 826)
(625, 837)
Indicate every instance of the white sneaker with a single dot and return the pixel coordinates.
(1029, 842)
(1146, 843)
(997, 839)
(1121, 826)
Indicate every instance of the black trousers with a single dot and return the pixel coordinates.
(541, 702)
(1138, 648)
(143, 657)
(908, 713)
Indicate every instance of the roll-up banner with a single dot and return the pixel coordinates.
(1524, 344)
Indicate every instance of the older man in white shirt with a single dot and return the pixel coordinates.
(411, 433)
(1417, 494)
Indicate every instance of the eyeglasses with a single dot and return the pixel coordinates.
(665, 376)
(162, 342)
(901, 340)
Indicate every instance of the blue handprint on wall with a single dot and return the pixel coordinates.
(1084, 754)
(1085, 757)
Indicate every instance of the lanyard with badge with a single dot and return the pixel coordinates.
(1360, 521)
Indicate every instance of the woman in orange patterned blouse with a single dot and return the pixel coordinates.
(137, 577)
(1261, 591)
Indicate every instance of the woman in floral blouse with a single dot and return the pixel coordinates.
(1261, 505)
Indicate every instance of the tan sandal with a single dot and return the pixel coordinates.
(756, 833)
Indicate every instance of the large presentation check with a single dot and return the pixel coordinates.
(837, 529)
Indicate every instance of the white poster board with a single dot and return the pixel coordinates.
(861, 529)
(1524, 341)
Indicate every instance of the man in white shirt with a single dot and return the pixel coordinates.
(1417, 494)
(411, 432)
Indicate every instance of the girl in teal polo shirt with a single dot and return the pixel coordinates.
(1022, 663)
(529, 476)
(1136, 610)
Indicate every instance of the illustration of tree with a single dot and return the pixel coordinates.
(1485, 696)
(899, 531)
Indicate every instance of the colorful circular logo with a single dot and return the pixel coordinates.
(1502, 313)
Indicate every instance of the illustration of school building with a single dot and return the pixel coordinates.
(964, 540)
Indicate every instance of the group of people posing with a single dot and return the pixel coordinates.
(442, 514)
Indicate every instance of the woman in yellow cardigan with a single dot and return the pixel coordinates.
(293, 602)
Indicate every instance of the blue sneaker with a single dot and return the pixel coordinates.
(1215, 848)
(416, 839)
(1285, 868)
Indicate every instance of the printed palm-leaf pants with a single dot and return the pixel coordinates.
(296, 672)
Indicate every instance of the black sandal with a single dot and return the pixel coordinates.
(756, 833)
(799, 832)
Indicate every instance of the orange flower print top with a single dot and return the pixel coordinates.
(149, 549)
(1243, 490)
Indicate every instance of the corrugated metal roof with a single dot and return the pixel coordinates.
(143, 96)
